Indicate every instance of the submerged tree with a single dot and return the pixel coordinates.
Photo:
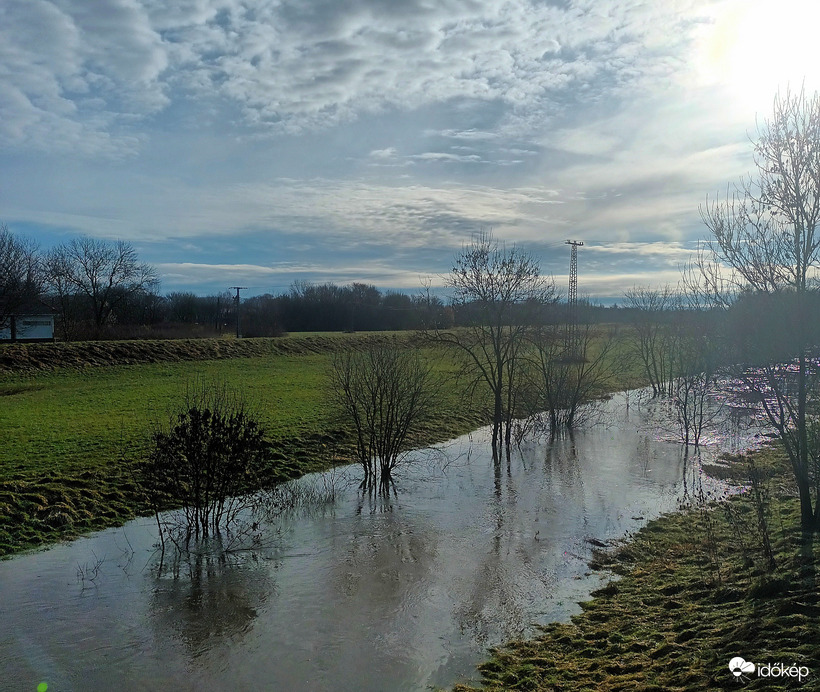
(207, 458)
(386, 393)
(563, 379)
(653, 343)
(765, 241)
(499, 294)
(697, 360)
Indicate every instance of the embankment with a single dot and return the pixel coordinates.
(33, 357)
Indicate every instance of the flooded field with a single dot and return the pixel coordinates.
(366, 593)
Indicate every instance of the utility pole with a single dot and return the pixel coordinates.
(236, 300)
(572, 299)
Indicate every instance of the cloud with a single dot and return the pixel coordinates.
(276, 278)
(72, 71)
(443, 156)
(471, 134)
(375, 128)
(78, 70)
(349, 212)
(388, 153)
(616, 284)
(671, 251)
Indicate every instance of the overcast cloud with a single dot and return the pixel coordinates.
(264, 141)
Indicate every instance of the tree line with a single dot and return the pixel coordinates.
(90, 284)
(100, 289)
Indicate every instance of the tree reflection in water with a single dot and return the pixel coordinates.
(206, 597)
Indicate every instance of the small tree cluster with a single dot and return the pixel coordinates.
(92, 280)
(90, 283)
(563, 378)
(386, 392)
(654, 313)
(499, 295)
(678, 343)
(21, 274)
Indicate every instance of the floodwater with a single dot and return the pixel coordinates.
(363, 594)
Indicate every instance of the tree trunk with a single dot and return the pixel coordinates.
(498, 417)
(807, 518)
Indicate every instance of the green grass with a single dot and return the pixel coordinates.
(71, 435)
(68, 419)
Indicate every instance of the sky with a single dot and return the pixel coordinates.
(260, 142)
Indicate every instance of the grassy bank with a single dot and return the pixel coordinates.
(74, 418)
(696, 589)
(34, 358)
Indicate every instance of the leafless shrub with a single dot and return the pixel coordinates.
(385, 392)
(564, 380)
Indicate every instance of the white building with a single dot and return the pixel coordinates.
(29, 326)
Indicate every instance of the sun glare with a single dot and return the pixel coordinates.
(755, 47)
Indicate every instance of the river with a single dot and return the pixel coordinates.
(397, 593)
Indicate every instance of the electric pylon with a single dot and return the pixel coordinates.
(572, 299)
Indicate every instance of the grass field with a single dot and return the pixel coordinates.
(71, 434)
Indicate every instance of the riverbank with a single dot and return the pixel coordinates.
(693, 590)
(76, 417)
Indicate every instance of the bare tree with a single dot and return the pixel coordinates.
(565, 377)
(765, 241)
(104, 273)
(498, 295)
(386, 392)
(653, 344)
(697, 359)
(63, 293)
(21, 274)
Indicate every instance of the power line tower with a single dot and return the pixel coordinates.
(572, 299)
(236, 300)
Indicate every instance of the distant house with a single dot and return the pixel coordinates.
(31, 323)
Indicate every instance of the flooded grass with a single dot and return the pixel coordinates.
(409, 588)
(692, 590)
(71, 435)
(678, 610)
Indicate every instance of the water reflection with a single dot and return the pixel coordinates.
(202, 599)
(373, 593)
